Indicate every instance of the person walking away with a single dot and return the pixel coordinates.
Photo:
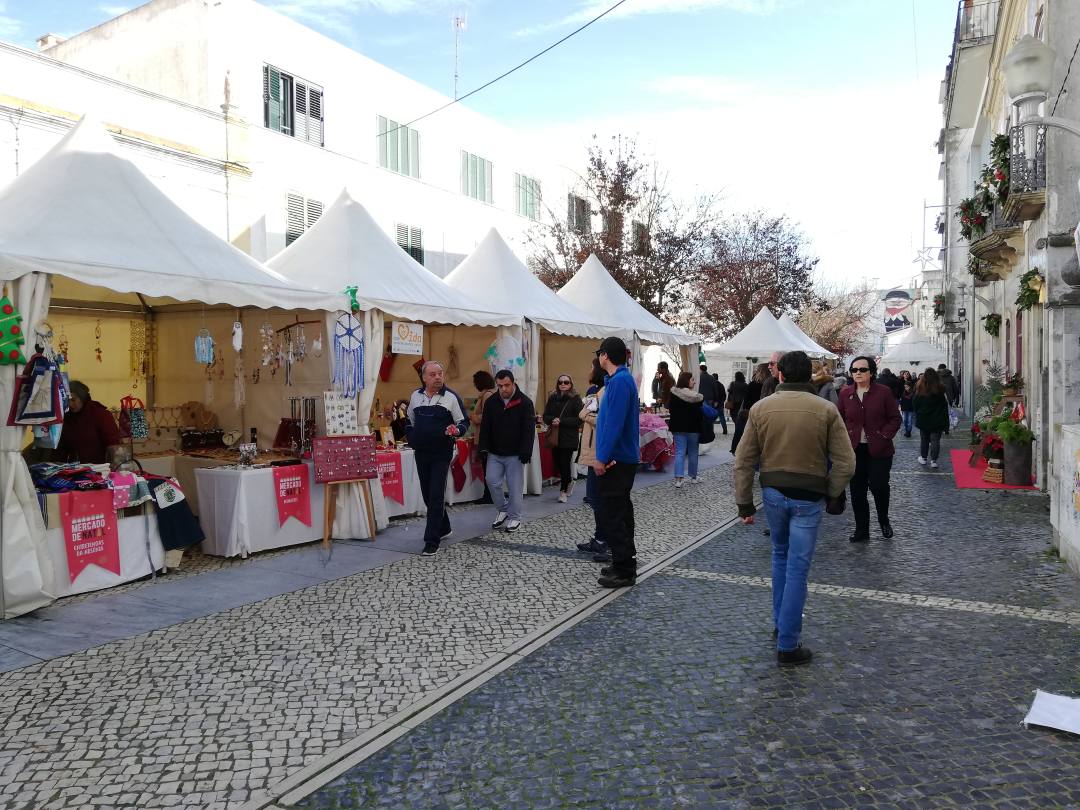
(505, 445)
(589, 411)
(872, 418)
(706, 386)
(561, 414)
(721, 401)
(931, 407)
(799, 442)
(752, 395)
(685, 424)
(890, 381)
(735, 393)
(617, 458)
(948, 384)
(768, 385)
(907, 406)
(436, 417)
(485, 387)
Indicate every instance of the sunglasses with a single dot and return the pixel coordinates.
(564, 382)
(861, 370)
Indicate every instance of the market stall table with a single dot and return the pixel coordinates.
(239, 512)
(182, 468)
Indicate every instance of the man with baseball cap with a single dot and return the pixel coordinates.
(617, 458)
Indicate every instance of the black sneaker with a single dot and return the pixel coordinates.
(430, 550)
(775, 633)
(793, 658)
(615, 580)
(592, 547)
(602, 557)
(886, 531)
(860, 537)
(449, 533)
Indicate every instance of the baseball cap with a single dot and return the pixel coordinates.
(615, 349)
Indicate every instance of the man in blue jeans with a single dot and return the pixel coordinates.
(802, 447)
(507, 433)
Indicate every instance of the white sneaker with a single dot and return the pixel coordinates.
(562, 497)
(500, 519)
(571, 490)
(678, 482)
(921, 460)
(933, 465)
(694, 481)
(513, 525)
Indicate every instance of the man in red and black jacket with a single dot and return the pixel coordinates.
(507, 433)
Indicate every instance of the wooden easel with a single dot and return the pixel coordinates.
(330, 494)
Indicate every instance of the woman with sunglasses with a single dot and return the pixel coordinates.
(872, 418)
(562, 413)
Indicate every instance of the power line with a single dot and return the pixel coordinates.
(915, 39)
(502, 76)
(1067, 72)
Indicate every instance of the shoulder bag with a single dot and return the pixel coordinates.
(552, 437)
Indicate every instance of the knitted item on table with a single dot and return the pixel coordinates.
(11, 334)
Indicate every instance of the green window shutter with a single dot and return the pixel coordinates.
(315, 116)
(414, 152)
(392, 149)
(403, 150)
(300, 111)
(489, 197)
(272, 98)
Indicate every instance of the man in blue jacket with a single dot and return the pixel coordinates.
(617, 458)
(436, 416)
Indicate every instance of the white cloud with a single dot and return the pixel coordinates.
(852, 165)
(114, 11)
(339, 15)
(588, 9)
(10, 28)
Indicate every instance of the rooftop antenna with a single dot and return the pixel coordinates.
(458, 24)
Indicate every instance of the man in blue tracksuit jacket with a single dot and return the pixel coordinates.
(617, 458)
(436, 416)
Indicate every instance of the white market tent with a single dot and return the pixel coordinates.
(811, 347)
(495, 275)
(758, 339)
(911, 348)
(85, 216)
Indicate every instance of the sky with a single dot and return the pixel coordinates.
(824, 110)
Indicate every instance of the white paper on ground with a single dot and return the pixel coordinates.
(1054, 711)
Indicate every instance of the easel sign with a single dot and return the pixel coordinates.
(344, 458)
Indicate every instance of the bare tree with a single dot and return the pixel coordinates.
(650, 243)
(838, 318)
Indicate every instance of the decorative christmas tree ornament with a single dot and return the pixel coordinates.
(348, 355)
(11, 333)
(204, 347)
(238, 337)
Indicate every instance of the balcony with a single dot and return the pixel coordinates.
(999, 248)
(976, 24)
(1027, 178)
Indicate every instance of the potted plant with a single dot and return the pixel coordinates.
(1030, 285)
(1014, 384)
(992, 324)
(973, 215)
(1016, 439)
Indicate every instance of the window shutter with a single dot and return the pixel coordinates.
(315, 116)
(488, 196)
(300, 116)
(314, 211)
(403, 237)
(414, 153)
(403, 150)
(380, 128)
(393, 152)
(272, 98)
(416, 244)
(294, 218)
(464, 172)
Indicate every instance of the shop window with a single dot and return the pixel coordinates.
(476, 177)
(292, 106)
(411, 240)
(301, 214)
(399, 147)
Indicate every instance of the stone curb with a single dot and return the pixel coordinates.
(330, 766)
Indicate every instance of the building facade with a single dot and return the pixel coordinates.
(1006, 297)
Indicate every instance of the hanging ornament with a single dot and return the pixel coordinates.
(316, 345)
(204, 347)
(348, 355)
(208, 388)
(11, 334)
(238, 337)
(239, 384)
(289, 354)
(63, 346)
(43, 338)
(301, 344)
(137, 348)
(453, 366)
(255, 376)
(97, 340)
(266, 334)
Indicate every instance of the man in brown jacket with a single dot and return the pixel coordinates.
(802, 448)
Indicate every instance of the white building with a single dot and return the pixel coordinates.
(253, 123)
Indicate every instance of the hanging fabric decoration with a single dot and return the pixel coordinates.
(316, 345)
(266, 334)
(140, 340)
(289, 351)
(386, 365)
(453, 369)
(204, 347)
(11, 334)
(348, 355)
(97, 340)
(208, 389)
(237, 337)
(240, 384)
(43, 339)
(301, 344)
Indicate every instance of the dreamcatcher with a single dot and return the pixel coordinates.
(348, 355)
(204, 347)
(237, 337)
(316, 345)
(97, 341)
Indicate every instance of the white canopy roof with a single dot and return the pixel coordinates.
(346, 248)
(812, 347)
(595, 292)
(502, 281)
(86, 213)
(911, 348)
(759, 338)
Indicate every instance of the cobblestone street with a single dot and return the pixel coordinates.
(927, 652)
(928, 649)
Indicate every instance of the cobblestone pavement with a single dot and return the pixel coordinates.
(928, 649)
(204, 713)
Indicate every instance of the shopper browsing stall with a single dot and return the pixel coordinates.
(89, 429)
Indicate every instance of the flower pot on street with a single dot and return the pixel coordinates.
(1018, 463)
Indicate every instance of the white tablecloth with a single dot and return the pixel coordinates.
(134, 560)
(182, 468)
(238, 512)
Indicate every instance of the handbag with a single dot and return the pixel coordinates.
(710, 412)
(133, 423)
(552, 437)
(837, 505)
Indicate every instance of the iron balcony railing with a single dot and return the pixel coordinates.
(976, 20)
(1027, 167)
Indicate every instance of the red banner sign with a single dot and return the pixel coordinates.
(293, 493)
(90, 531)
(390, 476)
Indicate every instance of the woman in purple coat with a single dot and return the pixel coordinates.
(872, 418)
